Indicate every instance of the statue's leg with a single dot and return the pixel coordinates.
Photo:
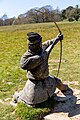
(63, 87)
(34, 92)
(60, 85)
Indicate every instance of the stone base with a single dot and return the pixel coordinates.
(67, 108)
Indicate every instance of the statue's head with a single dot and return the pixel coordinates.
(34, 42)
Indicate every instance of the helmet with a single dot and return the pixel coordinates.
(34, 38)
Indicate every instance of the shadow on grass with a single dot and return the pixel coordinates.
(50, 103)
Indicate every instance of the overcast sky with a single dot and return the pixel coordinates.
(16, 7)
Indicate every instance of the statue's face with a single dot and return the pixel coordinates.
(36, 48)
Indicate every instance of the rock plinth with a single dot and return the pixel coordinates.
(67, 108)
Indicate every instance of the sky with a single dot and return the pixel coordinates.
(16, 7)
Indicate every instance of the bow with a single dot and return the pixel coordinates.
(60, 49)
(53, 45)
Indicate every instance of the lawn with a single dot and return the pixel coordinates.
(13, 44)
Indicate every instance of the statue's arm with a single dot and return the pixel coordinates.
(31, 62)
(46, 44)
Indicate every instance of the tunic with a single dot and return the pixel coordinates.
(40, 85)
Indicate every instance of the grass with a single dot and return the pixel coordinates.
(13, 44)
(28, 113)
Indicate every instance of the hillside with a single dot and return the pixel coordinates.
(13, 44)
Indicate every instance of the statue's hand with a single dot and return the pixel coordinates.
(60, 36)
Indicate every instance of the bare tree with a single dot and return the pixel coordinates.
(1, 22)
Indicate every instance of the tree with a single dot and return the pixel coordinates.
(63, 15)
(71, 13)
(44, 14)
(32, 15)
(4, 17)
(57, 15)
(76, 13)
(9, 21)
(1, 22)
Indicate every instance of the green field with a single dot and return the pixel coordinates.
(13, 44)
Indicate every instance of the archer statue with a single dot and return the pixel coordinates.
(40, 85)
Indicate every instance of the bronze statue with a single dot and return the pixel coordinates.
(40, 85)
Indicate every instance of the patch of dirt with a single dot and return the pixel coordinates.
(6, 101)
(9, 83)
(1, 101)
(72, 82)
(56, 60)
